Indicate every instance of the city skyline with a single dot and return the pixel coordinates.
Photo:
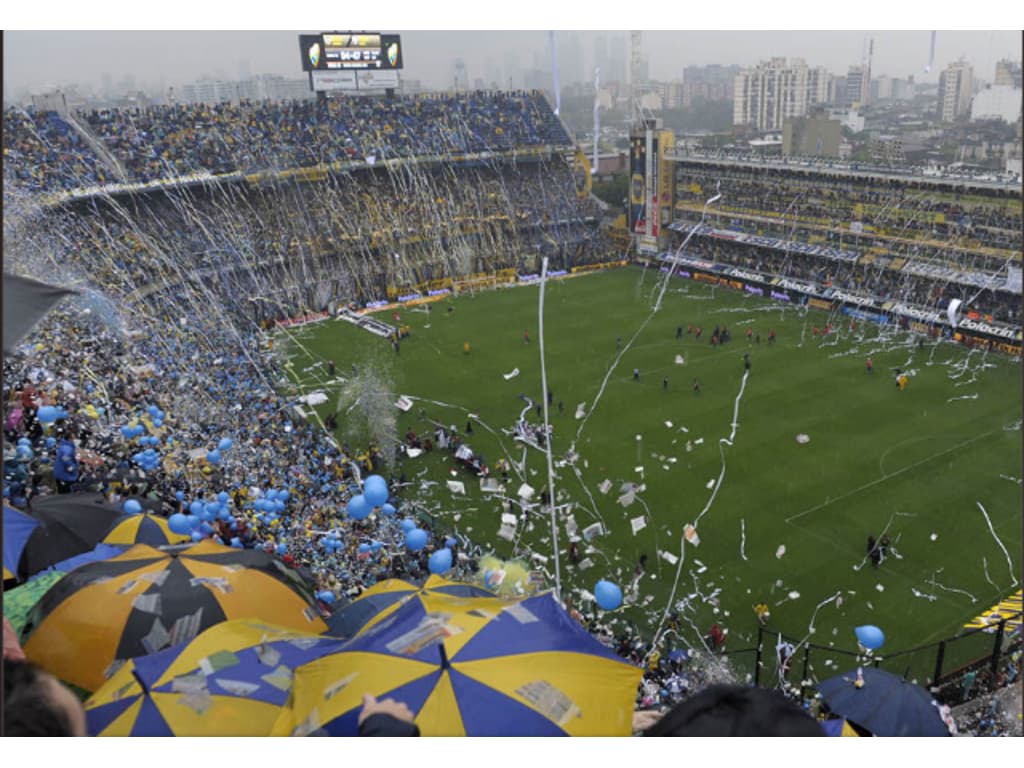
(157, 60)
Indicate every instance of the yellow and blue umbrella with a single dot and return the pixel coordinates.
(104, 613)
(386, 597)
(472, 666)
(234, 679)
(143, 528)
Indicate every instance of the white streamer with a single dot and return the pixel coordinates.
(1009, 561)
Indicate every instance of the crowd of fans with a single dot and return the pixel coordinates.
(981, 219)
(915, 245)
(164, 142)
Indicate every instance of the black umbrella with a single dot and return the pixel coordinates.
(885, 705)
(26, 302)
(71, 524)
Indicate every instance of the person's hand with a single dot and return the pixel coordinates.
(644, 719)
(396, 709)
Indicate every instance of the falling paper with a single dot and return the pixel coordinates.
(526, 492)
(581, 410)
(197, 701)
(605, 486)
(413, 453)
(803, 439)
(668, 424)
(157, 638)
(780, 551)
(147, 603)
(237, 687)
(267, 655)
(934, 536)
(638, 524)
(794, 595)
(456, 486)
(592, 531)
(586, 563)
(627, 498)
(680, 360)
(218, 661)
(672, 559)
(280, 678)
(690, 534)
(507, 376)
(404, 404)
(710, 484)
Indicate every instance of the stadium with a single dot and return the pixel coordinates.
(376, 372)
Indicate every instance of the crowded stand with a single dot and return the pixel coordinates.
(166, 142)
(160, 383)
(899, 242)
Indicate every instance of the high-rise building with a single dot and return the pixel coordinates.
(858, 86)
(765, 95)
(1008, 73)
(955, 90)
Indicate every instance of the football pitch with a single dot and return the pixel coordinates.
(935, 466)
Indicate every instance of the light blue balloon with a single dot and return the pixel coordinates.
(271, 495)
(608, 595)
(375, 489)
(225, 444)
(364, 547)
(132, 507)
(24, 441)
(450, 542)
(47, 414)
(178, 523)
(179, 495)
(213, 457)
(196, 508)
(870, 636)
(284, 495)
(376, 546)
(236, 542)
(357, 508)
(325, 597)
(441, 561)
(416, 539)
(223, 497)
(408, 524)
(197, 536)
(387, 510)
(282, 549)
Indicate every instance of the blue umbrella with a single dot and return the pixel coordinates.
(885, 705)
(18, 527)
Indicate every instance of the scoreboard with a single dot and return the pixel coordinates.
(339, 51)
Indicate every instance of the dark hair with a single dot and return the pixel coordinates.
(29, 709)
(733, 710)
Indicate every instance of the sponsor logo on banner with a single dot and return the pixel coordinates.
(851, 298)
(990, 330)
(793, 285)
(913, 313)
(820, 304)
(744, 275)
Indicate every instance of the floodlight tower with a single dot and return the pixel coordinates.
(634, 75)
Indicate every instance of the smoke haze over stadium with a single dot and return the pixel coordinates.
(34, 59)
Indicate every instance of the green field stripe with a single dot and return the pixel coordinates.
(882, 479)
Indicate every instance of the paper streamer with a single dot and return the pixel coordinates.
(1009, 562)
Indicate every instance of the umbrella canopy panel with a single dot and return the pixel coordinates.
(145, 600)
(885, 705)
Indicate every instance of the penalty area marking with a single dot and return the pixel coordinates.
(882, 479)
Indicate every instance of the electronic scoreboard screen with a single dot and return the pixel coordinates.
(350, 50)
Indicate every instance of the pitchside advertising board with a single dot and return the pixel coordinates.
(968, 330)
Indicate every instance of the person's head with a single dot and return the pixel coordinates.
(734, 710)
(37, 704)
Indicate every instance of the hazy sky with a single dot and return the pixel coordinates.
(35, 59)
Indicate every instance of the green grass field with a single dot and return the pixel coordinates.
(914, 463)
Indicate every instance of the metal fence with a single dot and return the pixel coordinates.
(953, 667)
